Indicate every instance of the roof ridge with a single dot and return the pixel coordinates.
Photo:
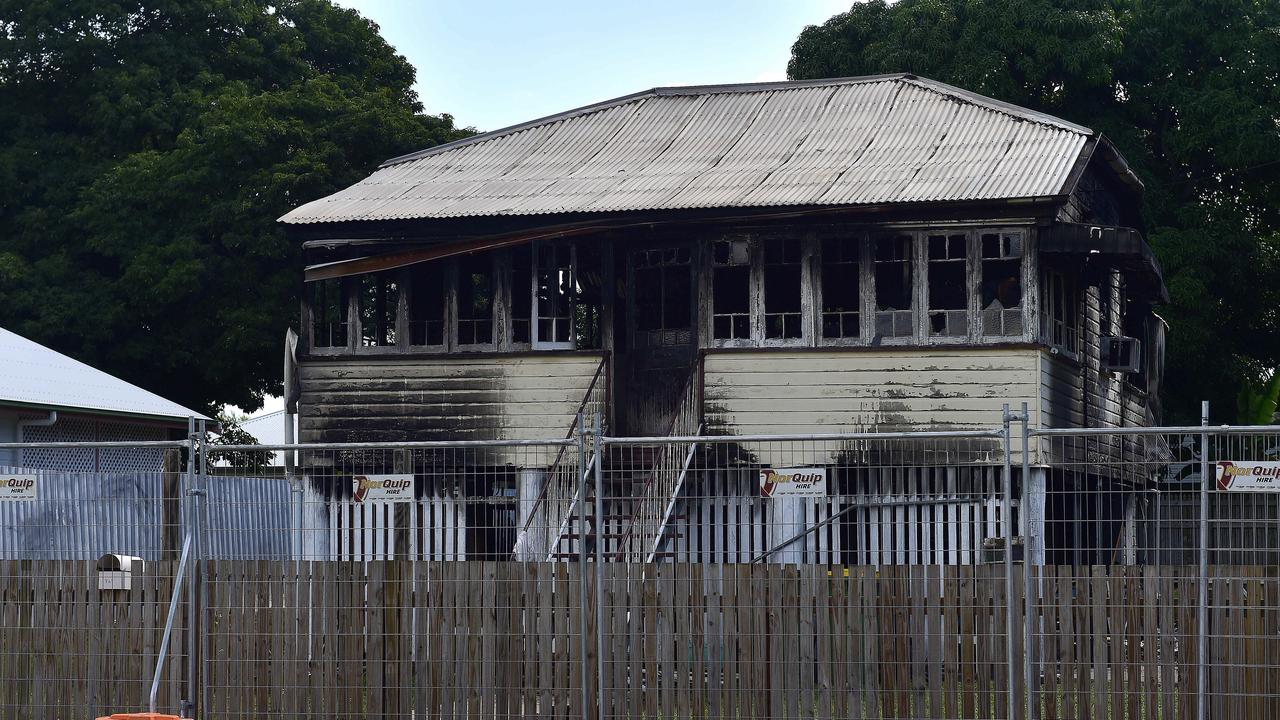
(995, 105)
(662, 91)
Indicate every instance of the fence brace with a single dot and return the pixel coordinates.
(168, 625)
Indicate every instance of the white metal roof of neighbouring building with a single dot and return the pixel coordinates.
(268, 429)
(843, 142)
(32, 375)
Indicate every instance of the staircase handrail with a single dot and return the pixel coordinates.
(691, 397)
(555, 466)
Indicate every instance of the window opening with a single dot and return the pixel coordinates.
(554, 288)
(894, 287)
(379, 307)
(841, 289)
(948, 285)
(782, 288)
(731, 290)
(521, 311)
(588, 299)
(328, 314)
(663, 296)
(475, 300)
(1061, 316)
(1001, 284)
(427, 304)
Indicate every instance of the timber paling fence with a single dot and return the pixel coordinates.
(499, 639)
(596, 577)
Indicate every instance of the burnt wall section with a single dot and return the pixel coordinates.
(512, 397)
(866, 390)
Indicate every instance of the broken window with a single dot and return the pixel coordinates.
(731, 290)
(1001, 299)
(379, 308)
(554, 289)
(841, 289)
(663, 296)
(328, 314)
(475, 300)
(1061, 311)
(427, 292)
(521, 312)
(894, 287)
(589, 291)
(948, 285)
(782, 288)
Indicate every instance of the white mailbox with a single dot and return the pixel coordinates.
(115, 572)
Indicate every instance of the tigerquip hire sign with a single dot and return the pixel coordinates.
(24, 486)
(793, 482)
(382, 488)
(1239, 476)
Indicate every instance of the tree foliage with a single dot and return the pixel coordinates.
(1187, 89)
(1257, 402)
(146, 150)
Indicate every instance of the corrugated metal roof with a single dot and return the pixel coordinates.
(851, 141)
(32, 374)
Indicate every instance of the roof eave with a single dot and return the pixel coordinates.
(176, 420)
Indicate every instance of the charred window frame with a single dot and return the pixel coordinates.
(328, 309)
(428, 313)
(731, 286)
(589, 269)
(782, 286)
(520, 308)
(378, 310)
(840, 297)
(893, 269)
(476, 307)
(1002, 301)
(947, 285)
(554, 291)
(662, 296)
(1060, 315)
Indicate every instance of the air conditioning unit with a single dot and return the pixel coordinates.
(1121, 354)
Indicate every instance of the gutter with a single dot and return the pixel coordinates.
(24, 424)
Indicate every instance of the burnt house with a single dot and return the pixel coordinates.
(882, 253)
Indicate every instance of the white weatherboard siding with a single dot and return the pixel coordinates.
(443, 398)
(871, 390)
(866, 390)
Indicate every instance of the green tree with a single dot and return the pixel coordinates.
(1187, 89)
(146, 150)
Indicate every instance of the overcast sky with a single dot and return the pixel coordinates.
(494, 64)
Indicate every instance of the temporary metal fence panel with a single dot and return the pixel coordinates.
(399, 595)
(88, 566)
(1154, 590)
(856, 575)
(1108, 574)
